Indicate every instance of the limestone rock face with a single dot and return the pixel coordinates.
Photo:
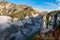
(7, 7)
(19, 21)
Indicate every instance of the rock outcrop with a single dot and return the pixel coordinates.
(22, 21)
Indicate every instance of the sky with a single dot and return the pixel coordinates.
(47, 5)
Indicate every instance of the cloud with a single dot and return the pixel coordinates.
(58, 0)
(48, 3)
(58, 3)
(57, 6)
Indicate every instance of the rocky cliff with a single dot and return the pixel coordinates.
(17, 22)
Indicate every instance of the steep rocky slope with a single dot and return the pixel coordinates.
(19, 21)
(17, 12)
(54, 17)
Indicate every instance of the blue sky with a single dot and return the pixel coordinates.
(47, 5)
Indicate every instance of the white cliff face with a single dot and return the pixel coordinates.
(5, 19)
(30, 30)
(58, 18)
